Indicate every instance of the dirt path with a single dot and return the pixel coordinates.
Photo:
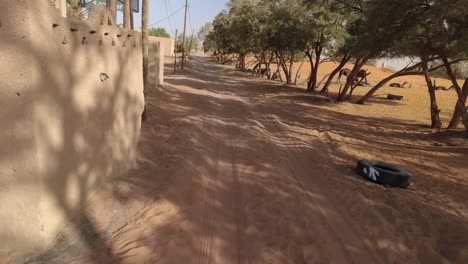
(236, 170)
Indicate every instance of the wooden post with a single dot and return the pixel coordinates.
(112, 5)
(132, 24)
(145, 40)
(126, 22)
(175, 52)
(145, 44)
(183, 36)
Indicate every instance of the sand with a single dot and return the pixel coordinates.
(234, 169)
(415, 106)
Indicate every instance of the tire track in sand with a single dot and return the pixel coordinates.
(208, 224)
(338, 227)
(338, 221)
(237, 195)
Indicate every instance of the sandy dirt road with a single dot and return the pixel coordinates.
(238, 170)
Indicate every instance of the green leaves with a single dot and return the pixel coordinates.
(365, 28)
(159, 32)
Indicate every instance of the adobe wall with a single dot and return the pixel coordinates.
(167, 45)
(63, 128)
(155, 64)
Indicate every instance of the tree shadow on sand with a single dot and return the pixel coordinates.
(231, 169)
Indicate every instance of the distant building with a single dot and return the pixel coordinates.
(396, 64)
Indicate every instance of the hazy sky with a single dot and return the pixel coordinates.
(201, 11)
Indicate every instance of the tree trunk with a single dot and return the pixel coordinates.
(351, 79)
(127, 11)
(272, 57)
(278, 64)
(298, 72)
(318, 55)
(145, 42)
(258, 66)
(291, 65)
(461, 99)
(311, 61)
(313, 77)
(457, 113)
(383, 82)
(132, 24)
(434, 108)
(343, 62)
(284, 66)
(112, 5)
(242, 62)
(354, 87)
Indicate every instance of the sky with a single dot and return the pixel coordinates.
(200, 12)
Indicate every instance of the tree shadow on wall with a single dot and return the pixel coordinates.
(219, 179)
(84, 127)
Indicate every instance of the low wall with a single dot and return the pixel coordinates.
(71, 99)
(167, 45)
(155, 64)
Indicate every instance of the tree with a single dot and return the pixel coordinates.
(191, 43)
(380, 25)
(74, 4)
(220, 38)
(324, 32)
(159, 32)
(458, 112)
(450, 23)
(436, 35)
(284, 36)
(204, 32)
(241, 28)
(347, 12)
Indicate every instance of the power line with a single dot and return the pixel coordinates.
(168, 19)
(190, 17)
(159, 21)
(170, 9)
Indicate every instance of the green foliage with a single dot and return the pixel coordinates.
(365, 29)
(159, 32)
(220, 37)
(204, 31)
(74, 4)
(191, 43)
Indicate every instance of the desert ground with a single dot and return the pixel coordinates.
(415, 106)
(236, 169)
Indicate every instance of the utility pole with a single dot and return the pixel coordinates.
(145, 40)
(132, 24)
(112, 5)
(183, 36)
(145, 47)
(175, 52)
(127, 11)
